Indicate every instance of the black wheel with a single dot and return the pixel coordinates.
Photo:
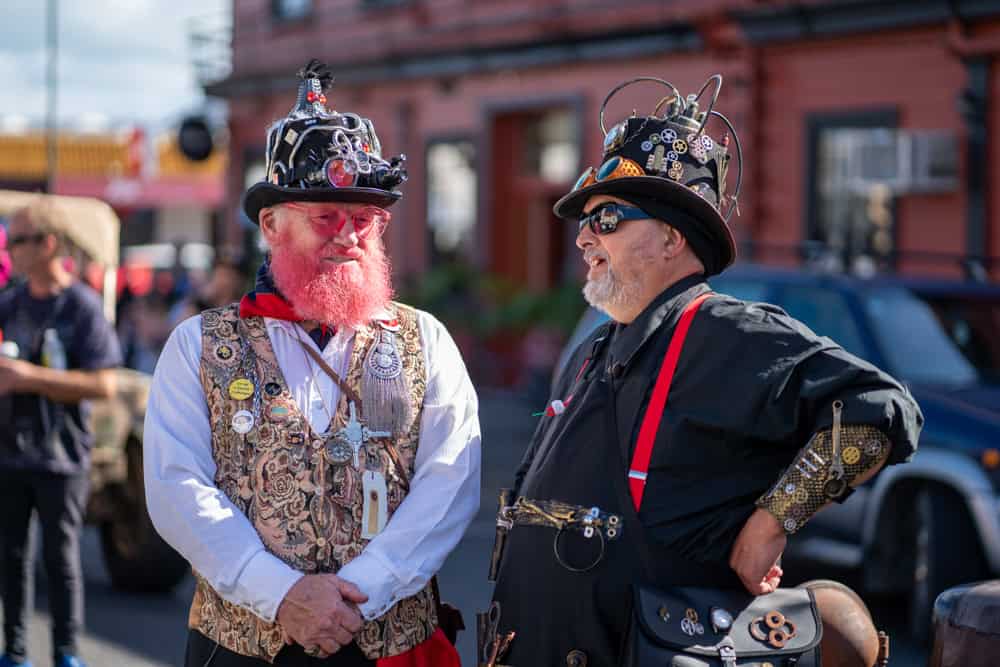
(946, 552)
(137, 558)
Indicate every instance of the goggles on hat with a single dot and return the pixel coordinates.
(616, 167)
(329, 219)
(605, 219)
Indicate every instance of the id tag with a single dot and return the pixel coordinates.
(376, 507)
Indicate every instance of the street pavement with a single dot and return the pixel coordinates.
(147, 631)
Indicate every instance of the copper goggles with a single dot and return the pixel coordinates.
(616, 167)
(330, 219)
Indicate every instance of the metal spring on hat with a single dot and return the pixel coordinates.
(677, 100)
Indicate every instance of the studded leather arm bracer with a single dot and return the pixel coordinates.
(824, 470)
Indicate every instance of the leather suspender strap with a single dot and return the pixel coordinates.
(654, 412)
(321, 362)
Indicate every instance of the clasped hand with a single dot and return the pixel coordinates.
(320, 613)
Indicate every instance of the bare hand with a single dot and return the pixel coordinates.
(320, 611)
(14, 375)
(756, 552)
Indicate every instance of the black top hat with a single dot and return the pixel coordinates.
(669, 166)
(319, 155)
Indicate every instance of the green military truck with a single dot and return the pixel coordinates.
(136, 557)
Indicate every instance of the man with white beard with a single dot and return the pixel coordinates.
(313, 451)
(688, 436)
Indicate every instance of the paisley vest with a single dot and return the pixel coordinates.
(306, 508)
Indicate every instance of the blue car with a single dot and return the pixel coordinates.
(920, 528)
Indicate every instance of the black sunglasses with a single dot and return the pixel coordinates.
(605, 219)
(25, 238)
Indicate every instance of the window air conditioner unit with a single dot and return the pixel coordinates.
(932, 160)
(906, 161)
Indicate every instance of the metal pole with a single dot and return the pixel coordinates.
(51, 129)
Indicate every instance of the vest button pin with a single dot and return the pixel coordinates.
(320, 542)
(618, 369)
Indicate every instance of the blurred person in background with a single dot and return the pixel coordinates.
(751, 403)
(65, 352)
(313, 450)
(142, 329)
(226, 284)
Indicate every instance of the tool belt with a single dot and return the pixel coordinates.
(590, 522)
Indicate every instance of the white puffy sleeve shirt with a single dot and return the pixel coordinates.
(207, 529)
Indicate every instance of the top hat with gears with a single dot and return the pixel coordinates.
(667, 164)
(316, 154)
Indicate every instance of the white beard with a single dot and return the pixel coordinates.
(610, 291)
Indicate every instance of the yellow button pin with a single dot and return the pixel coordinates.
(241, 389)
(852, 455)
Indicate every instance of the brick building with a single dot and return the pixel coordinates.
(868, 125)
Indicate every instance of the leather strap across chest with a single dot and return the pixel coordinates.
(654, 411)
(321, 362)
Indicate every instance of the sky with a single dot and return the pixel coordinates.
(120, 61)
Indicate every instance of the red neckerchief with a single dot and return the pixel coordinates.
(267, 305)
(266, 301)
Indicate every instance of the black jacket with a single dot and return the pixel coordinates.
(751, 387)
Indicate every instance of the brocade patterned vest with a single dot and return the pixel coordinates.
(306, 509)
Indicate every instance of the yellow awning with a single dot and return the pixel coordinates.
(23, 157)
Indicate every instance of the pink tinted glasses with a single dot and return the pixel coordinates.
(329, 220)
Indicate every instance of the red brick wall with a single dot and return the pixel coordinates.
(911, 72)
(769, 93)
(350, 32)
(992, 33)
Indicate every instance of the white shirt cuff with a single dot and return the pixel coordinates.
(264, 583)
(376, 581)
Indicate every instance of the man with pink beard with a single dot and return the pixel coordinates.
(313, 451)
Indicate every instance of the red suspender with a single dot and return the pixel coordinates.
(654, 412)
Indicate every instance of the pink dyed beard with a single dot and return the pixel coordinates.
(348, 294)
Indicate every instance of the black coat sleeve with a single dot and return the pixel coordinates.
(783, 378)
